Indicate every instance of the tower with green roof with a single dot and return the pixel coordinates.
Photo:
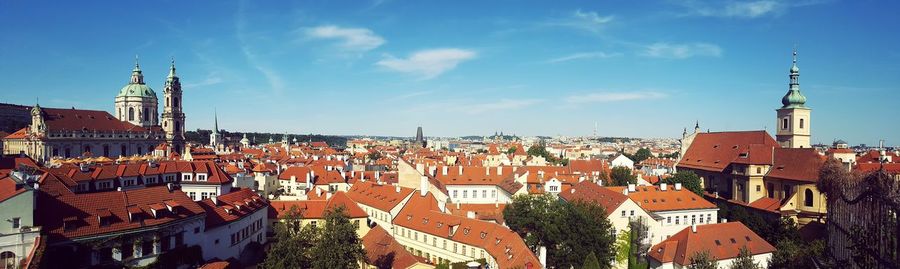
(173, 116)
(136, 102)
(793, 126)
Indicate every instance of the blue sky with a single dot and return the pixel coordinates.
(636, 68)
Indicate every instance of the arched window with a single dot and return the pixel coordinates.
(150, 149)
(120, 114)
(808, 198)
(784, 123)
(175, 102)
(167, 101)
(771, 190)
(801, 123)
(130, 113)
(87, 149)
(124, 151)
(146, 115)
(8, 260)
(177, 127)
(106, 150)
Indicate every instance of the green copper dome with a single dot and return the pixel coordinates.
(793, 98)
(136, 86)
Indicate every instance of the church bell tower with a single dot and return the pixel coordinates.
(173, 117)
(792, 128)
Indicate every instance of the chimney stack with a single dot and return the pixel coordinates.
(444, 170)
(423, 186)
(499, 170)
(694, 228)
(632, 188)
(677, 186)
(663, 186)
(470, 214)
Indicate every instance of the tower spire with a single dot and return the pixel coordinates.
(136, 76)
(172, 68)
(794, 98)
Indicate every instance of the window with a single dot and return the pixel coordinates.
(204, 195)
(146, 115)
(455, 193)
(708, 218)
(186, 177)
(759, 170)
(130, 113)
(175, 102)
(493, 193)
(632, 213)
(87, 148)
(483, 193)
(201, 177)
(801, 123)
(771, 190)
(124, 151)
(677, 220)
(623, 213)
(193, 195)
(808, 198)
(105, 150)
(668, 219)
(16, 222)
(197, 230)
(758, 188)
(693, 219)
(465, 194)
(784, 123)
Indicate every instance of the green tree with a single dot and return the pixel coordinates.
(591, 262)
(688, 179)
(703, 260)
(538, 150)
(622, 176)
(641, 155)
(511, 150)
(797, 254)
(569, 231)
(292, 245)
(339, 246)
(744, 260)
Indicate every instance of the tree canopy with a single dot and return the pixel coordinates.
(292, 243)
(622, 176)
(703, 260)
(338, 246)
(569, 231)
(688, 180)
(744, 260)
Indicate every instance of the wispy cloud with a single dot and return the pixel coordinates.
(606, 96)
(428, 63)
(584, 55)
(583, 20)
(410, 95)
(272, 77)
(212, 78)
(681, 51)
(500, 105)
(352, 39)
(742, 9)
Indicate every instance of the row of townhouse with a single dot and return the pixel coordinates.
(134, 225)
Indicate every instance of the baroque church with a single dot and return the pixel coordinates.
(134, 130)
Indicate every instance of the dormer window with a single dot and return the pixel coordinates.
(201, 177)
(70, 223)
(186, 177)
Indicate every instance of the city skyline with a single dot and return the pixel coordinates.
(384, 67)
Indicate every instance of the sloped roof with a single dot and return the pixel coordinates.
(59, 119)
(379, 244)
(653, 199)
(381, 197)
(587, 191)
(231, 207)
(722, 240)
(797, 164)
(715, 151)
(315, 209)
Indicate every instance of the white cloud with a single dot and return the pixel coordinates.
(742, 9)
(354, 39)
(600, 97)
(428, 63)
(681, 51)
(584, 20)
(584, 55)
(503, 104)
(212, 78)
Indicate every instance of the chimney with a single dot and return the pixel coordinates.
(327, 195)
(432, 170)
(119, 189)
(600, 182)
(542, 256)
(470, 214)
(420, 167)
(487, 171)
(573, 190)
(457, 205)
(496, 204)
(663, 186)
(694, 228)
(444, 170)
(460, 169)
(632, 188)
(499, 170)
(677, 186)
(397, 188)
(724, 220)
(423, 186)
(170, 186)
(377, 176)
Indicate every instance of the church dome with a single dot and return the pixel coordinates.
(793, 99)
(137, 90)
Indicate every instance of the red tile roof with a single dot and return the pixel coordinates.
(84, 211)
(652, 199)
(722, 240)
(315, 209)
(796, 164)
(381, 197)
(381, 246)
(715, 151)
(59, 119)
(587, 191)
(422, 214)
(231, 207)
